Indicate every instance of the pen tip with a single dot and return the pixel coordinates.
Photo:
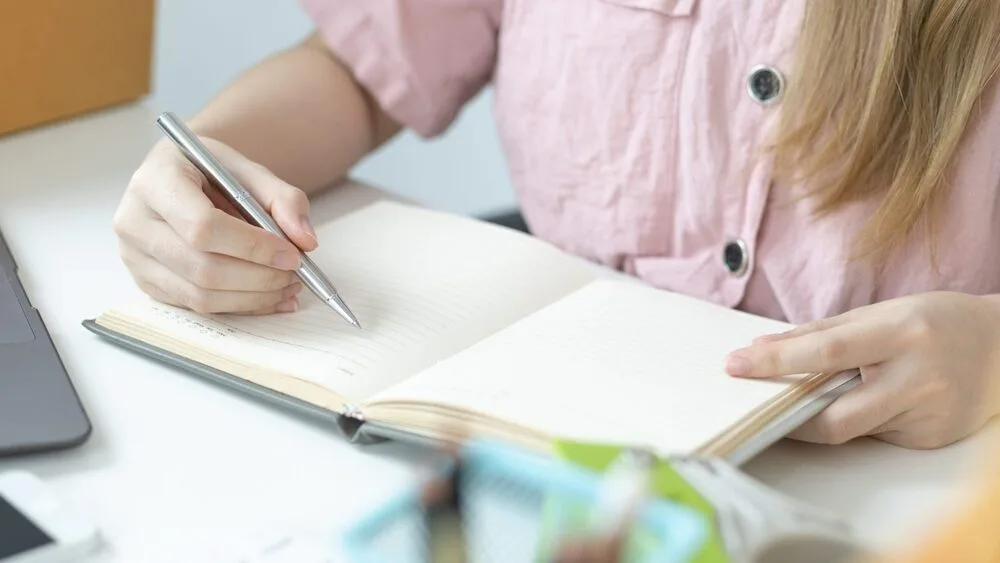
(338, 305)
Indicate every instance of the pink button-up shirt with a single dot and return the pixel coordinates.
(633, 130)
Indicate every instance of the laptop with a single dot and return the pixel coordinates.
(39, 408)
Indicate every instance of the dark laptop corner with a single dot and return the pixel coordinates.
(40, 409)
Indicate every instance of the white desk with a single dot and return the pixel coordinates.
(175, 462)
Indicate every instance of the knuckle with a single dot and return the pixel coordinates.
(164, 251)
(297, 197)
(816, 325)
(187, 172)
(266, 299)
(832, 351)
(774, 360)
(146, 179)
(918, 330)
(203, 271)
(258, 301)
(262, 170)
(137, 182)
(200, 302)
(257, 250)
(279, 279)
(120, 223)
(199, 231)
(292, 197)
(123, 222)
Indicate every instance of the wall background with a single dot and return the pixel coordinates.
(199, 48)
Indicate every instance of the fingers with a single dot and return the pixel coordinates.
(290, 209)
(187, 245)
(921, 431)
(206, 229)
(287, 204)
(222, 202)
(808, 328)
(163, 284)
(865, 410)
(205, 269)
(180, 194)
(844, 346)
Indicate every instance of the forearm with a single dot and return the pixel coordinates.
(992, 396)
(299, 113)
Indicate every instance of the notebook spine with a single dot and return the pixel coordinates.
(351, 422)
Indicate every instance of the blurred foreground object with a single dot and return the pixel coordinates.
(62, 58)
(749, 522)
(514, 506)
(970, 535)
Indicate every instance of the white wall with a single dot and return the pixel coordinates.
(463, 171)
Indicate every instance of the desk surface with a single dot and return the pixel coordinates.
(176, 463)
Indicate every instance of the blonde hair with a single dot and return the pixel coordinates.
(878, 104)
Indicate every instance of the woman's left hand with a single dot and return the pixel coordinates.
(930, 367)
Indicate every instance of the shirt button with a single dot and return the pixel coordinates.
(736, 257)
(764, 84)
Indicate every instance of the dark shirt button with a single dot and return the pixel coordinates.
(736, 256)
(764, 84)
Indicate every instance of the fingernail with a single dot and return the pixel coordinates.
(292, 290)
(288, 306)
(737, 365)
(307, 227)
(286, 260)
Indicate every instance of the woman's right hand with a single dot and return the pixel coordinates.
(186, 245)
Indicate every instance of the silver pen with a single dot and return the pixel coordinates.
(199, 155)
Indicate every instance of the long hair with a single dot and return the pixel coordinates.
(881, 95)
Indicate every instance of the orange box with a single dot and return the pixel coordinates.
(62, 58)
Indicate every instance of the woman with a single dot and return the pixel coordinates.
(827, 163)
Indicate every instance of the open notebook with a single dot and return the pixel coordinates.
(476, 327)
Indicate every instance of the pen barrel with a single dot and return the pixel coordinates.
(245, 203)
(215, 172)
(255, 214)
(314, 279)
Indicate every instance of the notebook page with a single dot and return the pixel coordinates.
(423, 285)
(614, 362)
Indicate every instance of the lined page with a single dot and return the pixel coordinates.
(423, 284)
(614, 362)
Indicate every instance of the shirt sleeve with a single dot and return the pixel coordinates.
(422, 60)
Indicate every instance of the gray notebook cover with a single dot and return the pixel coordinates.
(364, 432)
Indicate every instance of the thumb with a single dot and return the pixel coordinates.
(290, 208)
